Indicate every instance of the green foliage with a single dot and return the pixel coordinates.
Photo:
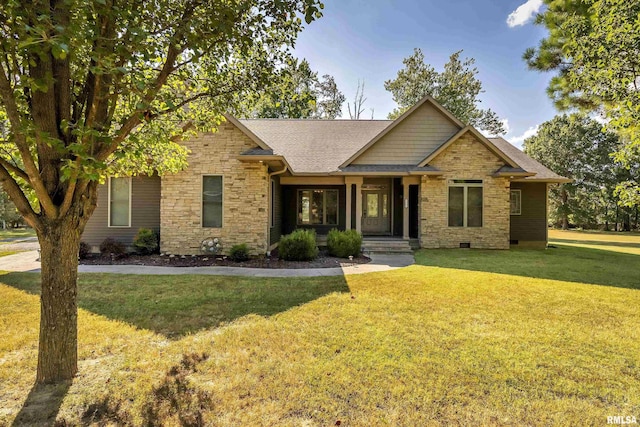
(344, 244)
(296, 92)
(129, 82)
(575, 146)
(456, 88)
(298, 246)
(592, 45)
(146, 241)
(239, 252)
(110, 246)
(84, 251)
(9, 215)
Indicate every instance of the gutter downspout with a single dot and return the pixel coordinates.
(270, 207)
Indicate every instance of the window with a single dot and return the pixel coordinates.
(212, 201)
(516, 202)
(465, 203)
(318, 207)
(119, 202)
(372, 205)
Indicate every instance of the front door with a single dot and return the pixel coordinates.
(376, 215)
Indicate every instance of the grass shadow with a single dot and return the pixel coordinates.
(177, 305)
(174, 400)
(566, 263)
(42, 405)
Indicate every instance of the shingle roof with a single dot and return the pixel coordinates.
(321, 146)
(527, 163)
(315, 146)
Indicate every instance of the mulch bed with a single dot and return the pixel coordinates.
(324, 260)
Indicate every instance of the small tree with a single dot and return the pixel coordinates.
(96, 87)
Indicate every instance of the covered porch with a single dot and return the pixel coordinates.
(375, 206)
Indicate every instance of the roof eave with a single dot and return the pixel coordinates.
(512, 174)
(427, 173)
(547, 180)
(247, 132)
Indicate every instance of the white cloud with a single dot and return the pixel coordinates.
(518, 140)
(505, 125)
(524, 13)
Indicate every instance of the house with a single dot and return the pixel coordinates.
(424, 177)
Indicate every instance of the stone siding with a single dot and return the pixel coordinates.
(467, 158)
(245, 195)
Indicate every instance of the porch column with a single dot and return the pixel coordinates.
(357, 180)
(348, 207)
(405, 208)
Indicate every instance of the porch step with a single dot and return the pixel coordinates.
(386, 246)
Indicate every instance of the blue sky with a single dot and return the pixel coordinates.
(360, 39)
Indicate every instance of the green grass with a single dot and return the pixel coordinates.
(16, 232)
(464, 337)
(177, 305)
(598, 264)
(5, 253)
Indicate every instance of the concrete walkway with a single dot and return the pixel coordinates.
(26, 261)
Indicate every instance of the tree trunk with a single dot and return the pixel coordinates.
(565, 208)
(58, 346)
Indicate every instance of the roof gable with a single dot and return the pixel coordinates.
(314, 146)
(539, 171)
(486, 142)
(407, 139)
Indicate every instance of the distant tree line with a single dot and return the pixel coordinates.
(576, 146)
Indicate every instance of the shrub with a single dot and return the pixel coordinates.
(111, 246)
(84, 251)
(344, 244)
(298, 246)
(239, 253)
(145, 242)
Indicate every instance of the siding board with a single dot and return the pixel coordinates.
(531, 225)
(145, 212)
(411, 140)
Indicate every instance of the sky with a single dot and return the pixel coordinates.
(368, 39)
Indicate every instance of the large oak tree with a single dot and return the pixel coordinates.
(91, 87)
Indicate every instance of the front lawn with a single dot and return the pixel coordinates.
(467, 338)
(13, 233)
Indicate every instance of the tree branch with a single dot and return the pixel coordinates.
(16, 170)
(11, 108)
(19, 199)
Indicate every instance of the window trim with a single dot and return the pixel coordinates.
(465, 184)
(511, 192)
(324, 204)
(202, 200)
(109, 202)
